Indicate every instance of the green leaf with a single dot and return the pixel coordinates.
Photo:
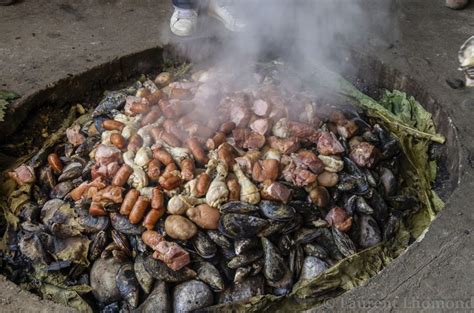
(8, 95)
(3, 108)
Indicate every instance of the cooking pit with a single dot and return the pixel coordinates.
(371, 77)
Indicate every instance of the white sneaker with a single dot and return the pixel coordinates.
(224, 11)
(183, 21)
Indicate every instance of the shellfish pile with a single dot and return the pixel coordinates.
(178, 195)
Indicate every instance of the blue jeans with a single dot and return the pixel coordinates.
(185, 4)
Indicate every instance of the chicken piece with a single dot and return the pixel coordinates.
(24, 174)
(364, 154)
(179, 204)
(74, 136)
(248, 191)
(284, 145)
(309, 160)
(109, 195)
(328, 144)
(276, 191)
(138, 179)
(300, 130)
(240, 135)
(174, 256)
(298, 176)
(218, 192)
(105, 155)
(261, 126)
(254, 141)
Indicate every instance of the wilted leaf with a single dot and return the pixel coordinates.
(66, 296)
(74, 249)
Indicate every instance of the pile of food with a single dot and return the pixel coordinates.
(179, 195)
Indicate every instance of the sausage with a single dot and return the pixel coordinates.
(55, 162)
(234, 189)
(197, 151)
(163, 156)
(187, 169)
(96, 209)
(199, 130)
(122, 175)
(112, 125)
(118, 140)
(152, 116)
(240, 115)
(139, 210)
(140, 107)
(227, 127)
(128, 202)
(170, 168)
(261, 107)
(202, 185)
(157, 199)
(153, 170)
(134, 143)
(160, 134)
(154, 98)
(270, 169)
(215, 141)
(175, 108)
(152, 218)
(169, 181)
(226, 154)
(180, 94)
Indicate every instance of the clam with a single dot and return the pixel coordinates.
(127, 284)
(209, 274)
(160, 271)
(275, 267)
(158, 300)
(249, 287)
(241, 226)
(203, 245)
(245, 244)
(143, 277)
(368, 233)
(245, 259)
(312, 267)
(219, 239)
(102, 279)
(276, 211)
(123, 225)
(238, 207)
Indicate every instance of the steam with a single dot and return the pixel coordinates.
(300, 32)
(297, 30)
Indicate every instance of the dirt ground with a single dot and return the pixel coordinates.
(43, 41)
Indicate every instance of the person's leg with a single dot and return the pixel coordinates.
(184, 19)
(185, 4)
(457, 4)
(226, 11)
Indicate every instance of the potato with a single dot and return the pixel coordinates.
(328, 179)
(204, 216)
(163, 79)
(179, 227)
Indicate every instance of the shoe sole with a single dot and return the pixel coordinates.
(179, 33)
(217, 17)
